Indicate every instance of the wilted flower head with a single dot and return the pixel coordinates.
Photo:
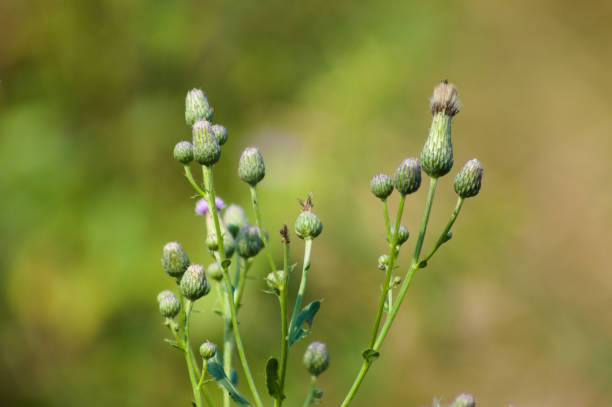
(201, 207)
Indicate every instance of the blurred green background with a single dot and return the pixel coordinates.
(515, 309)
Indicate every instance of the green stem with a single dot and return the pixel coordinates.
(242, 277)
(188, 357)
(201, 384)
(444, 235)
(227, 339)
(430, 195)
(255, 202)
(387, 222)
(284, 325)
(392, 255)
(192, 182)
(209, 182)
(302, 289)
(310, 395)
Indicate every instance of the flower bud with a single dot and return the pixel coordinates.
(206, 148)
(402, 234)
(197, 107)
(275, 279)
(201, 207)
(308, 225)
(407, 177)
(208, 350)
(317, 393)
(468, 179)
(220, 133)
(316, 358)
(234, 218)
(193, 284)
(251, 168)
(464, 400)
(437, 154)
(383, 260)
(381, 186)
(229, 244)
(249, 241)
(174, 259)
(169, 304)
(214, 271)
(183, 152)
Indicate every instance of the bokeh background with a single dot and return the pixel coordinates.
(515, 309)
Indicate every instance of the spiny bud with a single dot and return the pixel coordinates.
(229, 244)
(437, 154)
(214, 271)
(220, 133)
(275, 279)
(193, 284)
(308, 225)
(251, 168)
(464, 400)
(208, 350)
(468, 179)
(206, 148)
(174, 259)
(197, 107)
(169, 304)
(183, 152)
(402, 234)
(234, 218)
(381, 186)
(249, 241)
(407, 177)
(316, 358)
(383, 260)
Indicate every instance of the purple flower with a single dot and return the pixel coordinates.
(201, 207)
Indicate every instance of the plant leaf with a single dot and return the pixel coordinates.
(215, 368)
(306, 316)
(370, 355)
(272, 379)
(173, 343)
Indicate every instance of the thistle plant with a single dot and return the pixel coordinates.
(233, 241)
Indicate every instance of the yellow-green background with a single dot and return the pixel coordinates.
(515, 309)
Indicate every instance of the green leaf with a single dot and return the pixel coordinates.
(215, 368)
(272, 379)
(226, 263)
(173, 343)
(370, 355)
(306, 316)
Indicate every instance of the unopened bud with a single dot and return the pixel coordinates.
(468, 179)
(206, 148)
(407, 177)
(169, 304)
(234, 218)
(464, 400)
(308, 225)
(317, 393)
(316, 358)
(251, 168)
(402, 234)
(214, 271)
(183, 152)
(229, 244)
(383, 260)
(381, 186)
(208, 350)
(249, 241)
(174, 259)
(197, 107)
(220, 133)
(193, 284)
(275, 280)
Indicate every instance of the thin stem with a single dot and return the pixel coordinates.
(188, 357)
(201, 384)
(392, 256)
(310, 395)
(242, 277)
(209, 182)
(192, 182)
(444, 235)
(284, 325)
(430, 195)
(302, 289)
(255, 202)
(387, 222)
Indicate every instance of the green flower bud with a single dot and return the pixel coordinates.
(206, 148)
(402, 234)
(220, 133)
(193, 284)
(468, 179)
(174, 259)
(407, 177)
(317, 393)
(208, 350)
(383, 260)
(183, 152)
(437, 154)
(235, 218)
(381, 186)
(308, 225)
(274, 280)
(464, 400)
(197, 107)
(251, 168)
(229, 244)
(249, 241)
(316, 358)
(214, 271)
(169, 304)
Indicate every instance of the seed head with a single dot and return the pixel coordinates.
(193, 284)
(316, 358)
(174, 259)
(445, 99)
(220, 133)
(208, 350)
(251, 168)
(381, 186)
(468, 179)
(169, 304)
(407, 177)
(206, 148)
(249, 241)
(235, 218)
(197, 107)
(183, 152)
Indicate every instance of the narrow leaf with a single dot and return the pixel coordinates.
(306, 316)
(272, 379)
(370, 355)
(215, 368)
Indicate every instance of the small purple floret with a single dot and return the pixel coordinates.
(201, 207)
